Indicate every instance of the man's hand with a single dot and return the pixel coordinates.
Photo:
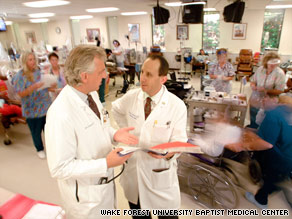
(157, 156)
(113, 159)
(123, 136)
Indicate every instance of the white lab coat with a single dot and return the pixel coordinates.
(77, 143)
(156, 190)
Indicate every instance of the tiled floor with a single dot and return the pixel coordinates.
(21, 171)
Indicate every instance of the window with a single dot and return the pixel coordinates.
(273, 21)
(211, 32)
(158, 34)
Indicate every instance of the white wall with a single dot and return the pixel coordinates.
(285, 47)
(113, 30)
(56, 39)
(29, 27)
(96, 22)
(171, 42)
(145, 30)
(7, 37)
(254, 20)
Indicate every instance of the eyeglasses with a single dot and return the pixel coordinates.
(221, 52)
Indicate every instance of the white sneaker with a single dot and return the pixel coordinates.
(41, 154)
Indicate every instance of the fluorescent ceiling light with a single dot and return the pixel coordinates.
(209, 9)
(80, 17)
(41, 20)
(173, 4)
(8, 22)
(193, 3)
(98, 10)
(40, 15)
(47, 3)
(278, 6)
(133, 13)
(176, 4)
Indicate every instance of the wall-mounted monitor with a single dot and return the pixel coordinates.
(2, 25)
(234, 12)
(161, 15)
(193, 14)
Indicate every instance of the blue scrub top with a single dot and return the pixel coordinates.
(276, 129)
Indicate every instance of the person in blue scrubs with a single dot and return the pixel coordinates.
(276, 163)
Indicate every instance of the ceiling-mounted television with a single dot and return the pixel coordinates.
(234, 12)
(2, 25)
(161, 15)
(193, 14)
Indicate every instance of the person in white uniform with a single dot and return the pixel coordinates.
(79, 138)
(119, 53)
(150, 181)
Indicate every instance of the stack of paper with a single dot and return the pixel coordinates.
(39, 211)
(48, 80)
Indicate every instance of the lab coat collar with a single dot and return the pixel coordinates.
(83, 96)
(77, 101)
(163, 100)
(156, 98)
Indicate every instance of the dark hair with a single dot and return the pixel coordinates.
(163, 68)
(53, 55)
(115, 41)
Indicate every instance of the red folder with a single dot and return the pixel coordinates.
(18, 206)
(176, 147)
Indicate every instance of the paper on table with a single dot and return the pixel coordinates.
(44, 211)
(48, 81)
(165, 148)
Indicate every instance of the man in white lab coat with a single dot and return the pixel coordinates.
(150, 181)
(79, 138)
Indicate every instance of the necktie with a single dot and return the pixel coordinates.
(93, 105)
(147, 107)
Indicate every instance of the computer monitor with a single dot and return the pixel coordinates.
(2, 25)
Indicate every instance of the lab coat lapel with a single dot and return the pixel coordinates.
(83, 107)
(159, 109)
(140, 108)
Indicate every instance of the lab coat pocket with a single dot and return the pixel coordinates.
(92, 193)
(162, 178)
(160, 134)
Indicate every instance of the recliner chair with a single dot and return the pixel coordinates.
(244, 63)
